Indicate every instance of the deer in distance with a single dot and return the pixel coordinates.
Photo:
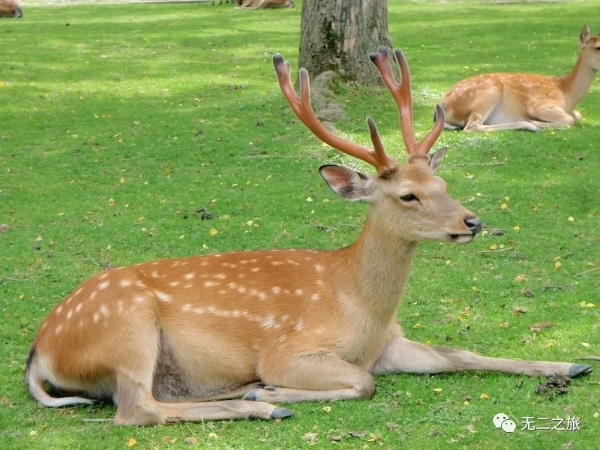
(523, 101)
(265, 4)
(229, 335)
(10, 8)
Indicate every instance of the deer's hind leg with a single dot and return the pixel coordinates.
(552, 116)
(402, 355)
(315, 376)
(135, 397)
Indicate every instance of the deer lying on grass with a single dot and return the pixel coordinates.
(264, 4)
(164, 339)
(523, 101)
(10, 8)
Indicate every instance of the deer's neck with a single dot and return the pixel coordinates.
(377, 270)
(577, 83)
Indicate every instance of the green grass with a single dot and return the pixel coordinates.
(118, 122)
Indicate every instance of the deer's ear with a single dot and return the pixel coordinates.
(436, 158)
(584, 36)
(346, 183)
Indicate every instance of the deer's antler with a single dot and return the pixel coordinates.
(402, 94)
(303, 109)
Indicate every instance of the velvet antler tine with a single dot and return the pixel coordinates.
(428, 141)
(388, 164)
(405, 105)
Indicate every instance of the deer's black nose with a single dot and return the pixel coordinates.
(474, 224)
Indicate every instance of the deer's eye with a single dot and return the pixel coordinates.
(409, 198)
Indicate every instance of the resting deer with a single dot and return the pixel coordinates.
(523, 101)
(264, 4)
(10, 8)
(178, 339)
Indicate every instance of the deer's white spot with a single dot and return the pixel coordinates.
(298, 292)
(242, 275)
(315, 297)
(139, 299)
(69, 314)
(241, 289)
(120, 307)
(199, 310)
(96, 317)
(162, 296)
(187, 285)
(59, 310)
(319, 268)
(277, 263)
(104, 285)
(255, 269)
(80, 324)
(103, 276)
(104, 311)
(276, 290)
(93, 295)
(58, 329)
(140, 284)
(220, 276)
(268, 321)
(189, 276)
(174, 283)
(78, 291)
(299, 325)
(78, 307)
(125, 283)
(209, 284)
(186, 307)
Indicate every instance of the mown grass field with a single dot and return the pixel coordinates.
(121, 124)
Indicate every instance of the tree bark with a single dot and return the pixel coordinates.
(339, 35)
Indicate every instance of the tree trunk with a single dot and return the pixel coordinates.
(339, 35)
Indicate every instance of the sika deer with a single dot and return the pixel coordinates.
(523, 101)
(164, 338)
(10, 8)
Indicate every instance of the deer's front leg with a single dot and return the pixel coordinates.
(402, 355)
(311, 377)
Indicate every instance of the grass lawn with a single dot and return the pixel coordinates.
(120, 125)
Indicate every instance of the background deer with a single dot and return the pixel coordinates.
(523, 101)
(163, 338)
(10, 8)
(263, 4)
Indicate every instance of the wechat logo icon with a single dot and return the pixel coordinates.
(501, 420)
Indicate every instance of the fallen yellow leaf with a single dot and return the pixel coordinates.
(131, 442)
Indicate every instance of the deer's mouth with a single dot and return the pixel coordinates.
(461, 238)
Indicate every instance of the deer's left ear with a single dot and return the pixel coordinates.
(436, 158)
(584, 36)
(346, 183)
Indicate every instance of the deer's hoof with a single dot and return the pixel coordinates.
(577, 370)
(252, 395)
(281, 413)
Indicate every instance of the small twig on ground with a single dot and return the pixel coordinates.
(16, 279)
(587, 271)
(64, 253)
(476, 164)
(495, 251)
(97, 420)
(592, 358)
